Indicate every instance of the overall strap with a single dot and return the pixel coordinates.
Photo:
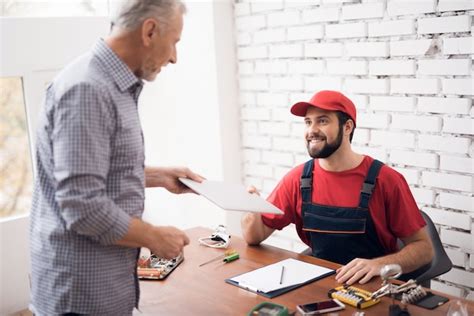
(369, 183)
(306, 183)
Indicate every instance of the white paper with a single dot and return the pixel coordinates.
(267, 279)
(231, 197)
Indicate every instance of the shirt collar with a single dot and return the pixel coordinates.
(117, 69)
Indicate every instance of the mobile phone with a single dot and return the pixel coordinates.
(320, 307)
(431, 301)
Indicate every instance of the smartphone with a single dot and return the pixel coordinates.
(320, 307)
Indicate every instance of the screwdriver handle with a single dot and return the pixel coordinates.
(232, 257)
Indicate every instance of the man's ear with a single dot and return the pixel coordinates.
(150, 29)
(349, 127)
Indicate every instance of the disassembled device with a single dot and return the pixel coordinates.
(155, 268)
(269, 309)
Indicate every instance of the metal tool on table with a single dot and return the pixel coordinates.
(390, 272)
(228, 256)
(387, 273)
(353, 296)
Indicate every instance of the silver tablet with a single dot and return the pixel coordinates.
(231, 197)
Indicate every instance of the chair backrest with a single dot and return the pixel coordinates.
(440, 263)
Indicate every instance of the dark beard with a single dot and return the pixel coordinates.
(328, 149)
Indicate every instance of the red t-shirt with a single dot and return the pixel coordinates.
(392, 206)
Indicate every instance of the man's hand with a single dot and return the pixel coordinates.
(417, 252)
(358, 269)
(167, 177)
(166, 241)
(253, 229)
(253, 190)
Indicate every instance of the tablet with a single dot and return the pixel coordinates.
(231, 197)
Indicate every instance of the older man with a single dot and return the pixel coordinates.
(89, 192)
(349, 208)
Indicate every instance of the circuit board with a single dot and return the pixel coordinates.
(155, 268)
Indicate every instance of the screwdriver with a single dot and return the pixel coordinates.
(231, 257)
(227, 253)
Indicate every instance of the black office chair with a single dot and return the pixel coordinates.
(440, 263)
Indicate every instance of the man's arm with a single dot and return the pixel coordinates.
(254, 230)
(417, 252)
(166, 242)
(167, 177)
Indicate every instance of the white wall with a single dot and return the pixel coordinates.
(408, 67)
(190, 117)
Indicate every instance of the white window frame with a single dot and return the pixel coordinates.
(34, 49)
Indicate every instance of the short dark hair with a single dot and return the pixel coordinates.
(343, 118)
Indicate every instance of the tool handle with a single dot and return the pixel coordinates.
(232, 257)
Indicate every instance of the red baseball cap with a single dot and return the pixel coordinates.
(327, 100)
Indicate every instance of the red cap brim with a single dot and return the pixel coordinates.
(300, 108)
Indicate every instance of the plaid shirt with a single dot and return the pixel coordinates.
(89, 183)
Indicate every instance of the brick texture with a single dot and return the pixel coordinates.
(407, 65)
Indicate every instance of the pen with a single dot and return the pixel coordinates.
(281, 275)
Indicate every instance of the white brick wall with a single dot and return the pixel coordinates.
(460, 23)
(445, 105)
(367, 49)
(392, 28)
(449, 218)
(323, 50)
(418, 47)
(406, 64)
(414, 86)
(404, 7)
(392, 67)
(450, 144)
(458, 86)
(462, 45)
(396, 104)
(452, 5)
(416, 122)
(363, 11)
(346, 30)
(449, 67)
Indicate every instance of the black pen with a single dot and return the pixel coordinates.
(281, 275)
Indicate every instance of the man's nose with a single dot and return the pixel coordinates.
(174, 57)
(313, 129)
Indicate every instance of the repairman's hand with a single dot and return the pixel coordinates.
(253, 190)
(167, 177)
(361, 270)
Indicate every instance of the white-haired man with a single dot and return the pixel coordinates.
(86, 226)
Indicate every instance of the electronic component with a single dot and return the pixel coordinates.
(353, 296)
(420, 297)
(268, 309)
(155, 268)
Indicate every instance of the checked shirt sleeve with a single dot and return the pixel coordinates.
(82, 138)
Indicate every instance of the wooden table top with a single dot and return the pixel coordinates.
(194, 290)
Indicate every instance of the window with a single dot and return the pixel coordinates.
(50, 8)
(15, 160)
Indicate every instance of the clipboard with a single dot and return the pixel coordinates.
(231, 197)
(264, 281)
